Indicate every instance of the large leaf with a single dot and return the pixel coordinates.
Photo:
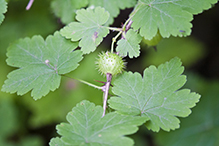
(156, 96)
(129, 45)
(69, 93)
(40, 64)
(113, 6)
(89, 29)
(170, 17)
(87, 127)
(202, 127)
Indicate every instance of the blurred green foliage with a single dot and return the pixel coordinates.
(19, 116)
(20, 23)
(188, 49)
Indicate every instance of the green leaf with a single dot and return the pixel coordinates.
(56, 142)
(3, 9)
(164, 15)
(87, 127)
(66, 9)
(201, 128)
(195, 6)
(40, 64)
(69, 93)
(113, 7)
(129, 45)
(156, 96)
(89, 29)
(170, 17)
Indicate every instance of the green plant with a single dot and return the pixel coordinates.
(155, 100)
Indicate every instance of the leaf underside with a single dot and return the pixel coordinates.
(87, 127)
(40, 64)
(156, 96)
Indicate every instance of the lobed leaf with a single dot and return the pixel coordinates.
(170, 17)
(89, 29)
(129, 45)
(87, 127)
(156, 96)
(195, 6)
(164, 15)
(3, 9)
(40, 64)
(66, 9)
(113, 7)
(201, 128)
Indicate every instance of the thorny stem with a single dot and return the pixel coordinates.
(104, 88)
(106, 91)
(122, 30)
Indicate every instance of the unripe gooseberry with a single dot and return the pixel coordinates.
(154, 41)
(110, 63)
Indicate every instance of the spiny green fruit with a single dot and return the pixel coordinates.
(110, 63)
(154, 41)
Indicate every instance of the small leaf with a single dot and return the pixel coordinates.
(129, 45)
(156, 96)
(113, 7)
(3, 9)
(87, 127)
(89, 29)
(40, 64)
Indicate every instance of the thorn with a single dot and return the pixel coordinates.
(103, 82)
(155, 48)
(100, 81)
